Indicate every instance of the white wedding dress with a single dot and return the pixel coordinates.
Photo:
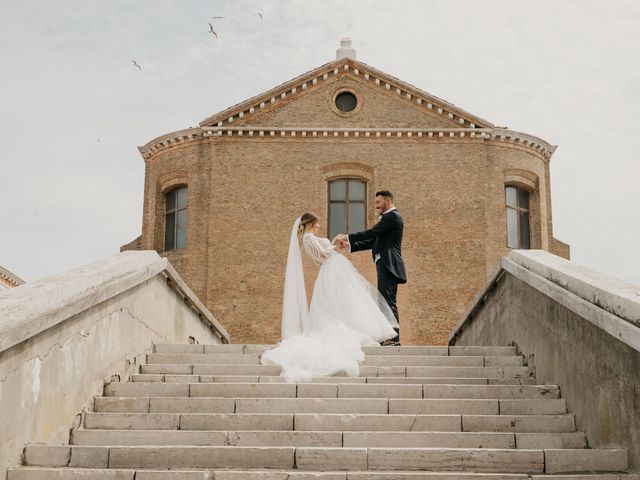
(346, 313)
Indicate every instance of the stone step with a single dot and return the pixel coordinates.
(478, 406)
(329, 439)
(328, 390)
(259, 438)
(365, 371)
(431, 372)
(171, 378)
(329, 405)
(464, 440)
(568, 440)
(437, 422)
(231, 348)
(66, 473)
(329, 458)
(188, 421)
(435, 350)
(184, 369)
(519, 423)
(370, 360)
(482, 350)
(331, 422)
(307, 439)
(478, 361)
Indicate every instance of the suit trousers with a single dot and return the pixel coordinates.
(388, 287)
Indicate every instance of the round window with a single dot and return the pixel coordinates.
(346, 101)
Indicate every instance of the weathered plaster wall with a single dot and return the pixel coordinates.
(585, 349)
(48, 379)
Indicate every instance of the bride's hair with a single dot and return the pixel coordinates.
(307, 218)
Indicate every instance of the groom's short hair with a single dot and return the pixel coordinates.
(385, 193)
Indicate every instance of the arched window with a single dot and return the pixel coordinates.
(347, 206)
(518, 228)
(175, 232)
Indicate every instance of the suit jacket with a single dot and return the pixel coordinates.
(384, 238)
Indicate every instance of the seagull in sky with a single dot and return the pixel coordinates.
(136, 64)
(260, 15)
(212, 30)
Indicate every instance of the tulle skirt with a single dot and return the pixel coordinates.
(347, 313)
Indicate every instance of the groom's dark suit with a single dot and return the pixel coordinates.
(385, 241)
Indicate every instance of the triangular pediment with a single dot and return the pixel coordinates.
(383, 101)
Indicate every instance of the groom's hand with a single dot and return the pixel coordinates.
(340, 239)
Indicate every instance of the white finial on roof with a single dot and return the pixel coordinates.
(345, 50)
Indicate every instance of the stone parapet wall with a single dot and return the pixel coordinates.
(63, 337)
(579, 329)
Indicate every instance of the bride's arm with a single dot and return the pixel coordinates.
(315, 248)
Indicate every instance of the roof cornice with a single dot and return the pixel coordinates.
(10, 277)
(494, 135)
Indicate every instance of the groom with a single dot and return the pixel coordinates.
(385, 242)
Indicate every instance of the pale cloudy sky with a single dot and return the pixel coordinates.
(73, 108)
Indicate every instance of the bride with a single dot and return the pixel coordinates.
(346, 314)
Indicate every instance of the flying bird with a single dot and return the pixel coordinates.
(136, 64)
(260, 15)
(212, 30)
(218, 18)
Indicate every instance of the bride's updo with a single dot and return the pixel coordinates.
(307, 218)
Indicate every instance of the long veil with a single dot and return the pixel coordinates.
(295, 311)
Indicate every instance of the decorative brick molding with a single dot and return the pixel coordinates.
(345, 67)
(9, 279)
(176, 178)
(170, 140)
(521, 178)
(348, 169)
(464, 125)
(494, 135)
(355, 92)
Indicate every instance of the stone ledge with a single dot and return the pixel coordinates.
(499, 135)
(615, 296)
(37, 306)
(608, 303)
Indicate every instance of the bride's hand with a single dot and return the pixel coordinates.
(340, 245)
(340, 240)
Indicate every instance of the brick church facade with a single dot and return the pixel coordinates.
(220, 199)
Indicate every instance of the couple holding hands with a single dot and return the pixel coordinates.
(346, 311)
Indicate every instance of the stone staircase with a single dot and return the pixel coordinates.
(424, 412)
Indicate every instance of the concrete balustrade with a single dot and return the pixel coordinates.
(579, 329)
(63, 337)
